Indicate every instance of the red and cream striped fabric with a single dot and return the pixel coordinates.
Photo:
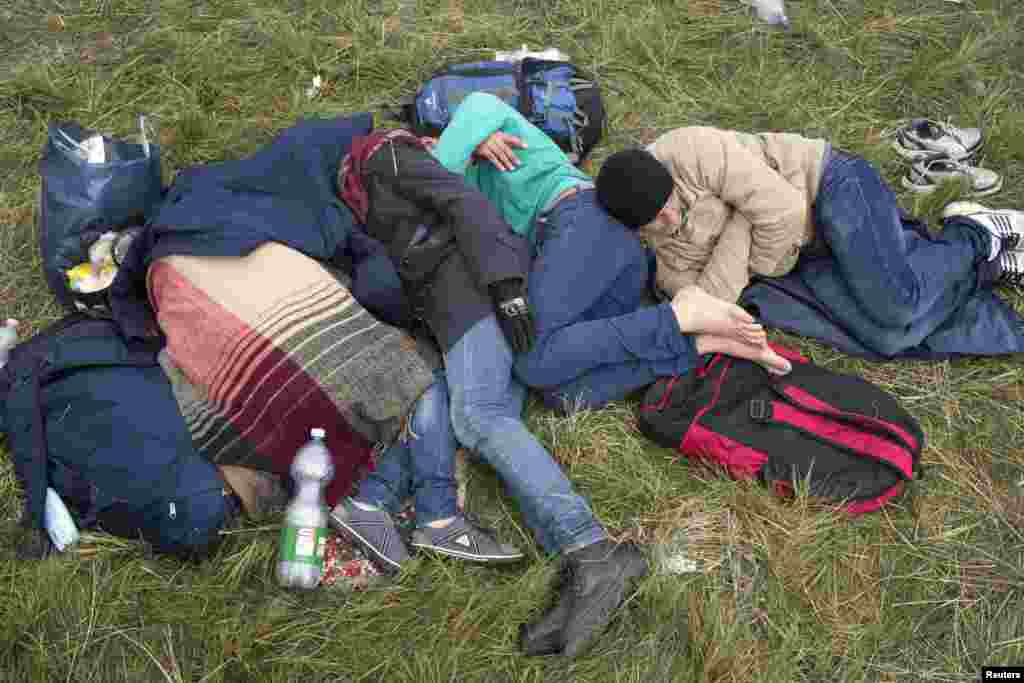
(273, 345)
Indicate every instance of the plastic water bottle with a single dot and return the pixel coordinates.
(771, 11)
(8, 338)
(59, 523)
(304, 536)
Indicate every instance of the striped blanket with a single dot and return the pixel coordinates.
(262, 348)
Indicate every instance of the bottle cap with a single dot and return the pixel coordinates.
(318, 433)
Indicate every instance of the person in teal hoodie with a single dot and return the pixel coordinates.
(596, 339)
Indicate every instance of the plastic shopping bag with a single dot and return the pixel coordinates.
(91, 185)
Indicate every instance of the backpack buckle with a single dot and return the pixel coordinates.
(760, 409)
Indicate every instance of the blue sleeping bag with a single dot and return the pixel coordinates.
(984, 326)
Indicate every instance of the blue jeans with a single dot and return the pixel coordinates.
(420, 464)
(596, 342)
(898, 277)
(487, 405)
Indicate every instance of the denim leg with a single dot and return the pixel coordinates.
(582, 244)
(487, 416)
(586, 289)
(432, 455)
(960, 228)
(599, 387)
(390, 482)
(895, 274)
(421, 463)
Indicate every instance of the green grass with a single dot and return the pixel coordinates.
(931, 588)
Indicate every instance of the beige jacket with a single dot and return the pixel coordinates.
(746, 202)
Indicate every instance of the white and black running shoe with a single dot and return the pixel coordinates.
(1005, 225)
(922, 139)
(1011, 267)
(927, 176)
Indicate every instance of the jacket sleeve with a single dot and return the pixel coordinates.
(492, 250)
(475, 119)
(717, 161)
(678, 263)
(727, 271)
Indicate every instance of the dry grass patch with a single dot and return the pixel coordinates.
(704, 8)
(886, 23)
(1012, 392)
(807, 546)
(16, 215)
(932, 514)
(847, 598)
(589, 437)
(971, 468)
(454, 13)
(685, 536)
(737, 659)
(982, 580)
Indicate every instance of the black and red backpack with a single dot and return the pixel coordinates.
(850, 440)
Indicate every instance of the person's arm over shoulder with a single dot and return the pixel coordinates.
(716, 161)
(475, 119)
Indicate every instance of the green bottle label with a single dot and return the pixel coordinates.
(304, 544)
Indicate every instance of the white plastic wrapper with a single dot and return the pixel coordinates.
(552, 54)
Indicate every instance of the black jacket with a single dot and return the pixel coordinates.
(462, 244)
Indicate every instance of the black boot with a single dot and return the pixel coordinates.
(544, 637)
(594, 584)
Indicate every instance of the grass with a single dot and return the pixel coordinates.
(932, 588)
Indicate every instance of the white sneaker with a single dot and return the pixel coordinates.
(927, 176)
(923, 139)
(1005, 225)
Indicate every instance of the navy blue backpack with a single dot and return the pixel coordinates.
(94, 417)
(555, 96)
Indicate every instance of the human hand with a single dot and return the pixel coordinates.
(498, 149)
(762, 354)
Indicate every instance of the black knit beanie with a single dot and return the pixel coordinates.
(633, 186)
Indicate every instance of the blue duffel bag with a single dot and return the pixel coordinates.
(94, 417)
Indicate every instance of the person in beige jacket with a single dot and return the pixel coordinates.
(740, 205)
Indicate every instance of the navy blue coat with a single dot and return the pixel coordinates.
(283, 193)
(802, 303)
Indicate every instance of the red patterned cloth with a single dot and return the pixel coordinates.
(266, 358)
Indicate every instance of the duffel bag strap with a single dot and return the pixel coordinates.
(26, 432)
